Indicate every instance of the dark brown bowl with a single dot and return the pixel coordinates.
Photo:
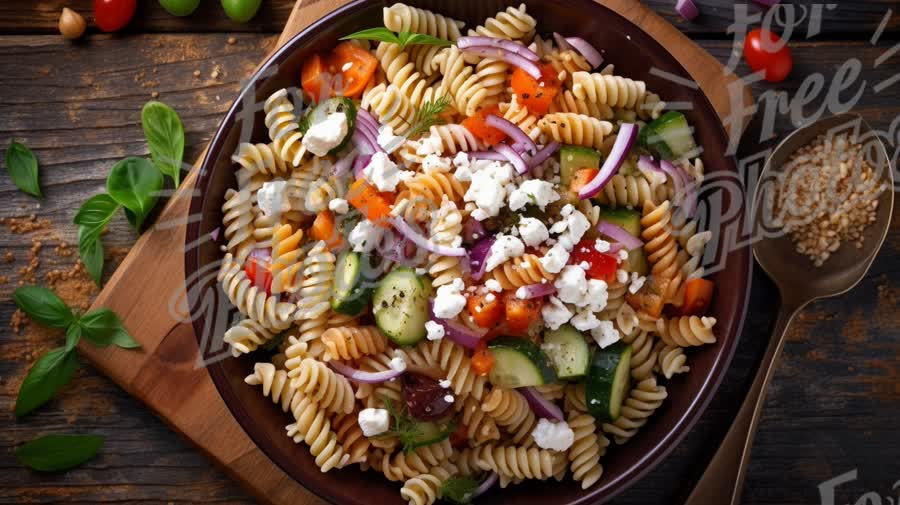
(634, 53)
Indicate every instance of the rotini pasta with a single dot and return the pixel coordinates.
(585, 453)
(352, 342)
(660, 246)
(318, 279)
(271, 313)
(313, 427)
(259, 159)
(577, 129)
(687, 331)
(425, 489)
(511, 411)
(522, 271)
(284, 130)
(237, 221)
(246, 336)
(329, 390)
(516, 462)
(286, 259)
(644, 399)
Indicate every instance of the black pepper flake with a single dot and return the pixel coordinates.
(540, 94)
(526, 95)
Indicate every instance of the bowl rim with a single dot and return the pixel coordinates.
(684, 421)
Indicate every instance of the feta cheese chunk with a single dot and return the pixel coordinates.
(533, 191)
(571, 285)
(532, 231)
(383, 173)
(504, 248)
(605, 334)
(398, 364)
(488, 189)
(270, 197)
(584, 320)
(449, 300)
(555, 259)
(555, 314)
(637, 282)
(556, 436)
(597, 295)
(435, 330)
(387, 140)
(601, 245)
(431, 144)
(365, 236)
(445, 383)
(493, 285)
(576, 224)
(339, 206)
(326, 134)
(374, 421)
(434, 163)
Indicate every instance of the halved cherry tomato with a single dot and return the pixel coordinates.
(366, 198)
(582, 177)
(697, 296)
(257, 271)
(480, 129)
(520, 314)
(323, 228)
(600, 265)
(460, 437)
(765, 51)
(112, 15)
(651, 297)
(482, 359)
(343, 72)
(536, 94)
(486, 310)
(313, 78)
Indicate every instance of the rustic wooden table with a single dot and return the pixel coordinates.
(835, 400)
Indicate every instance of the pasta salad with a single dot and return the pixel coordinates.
(466, 259)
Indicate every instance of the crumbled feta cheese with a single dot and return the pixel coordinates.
(270, 197)
(435, 330)
(571, 285)
(493, 285)
(365, 236)
(522, 293)
(338, 206)
(382, 172)
(327, 134)
(490, 297)
(555, 314)
(398, 364)
(461, 159)
(445, 383)
(505, 247)
(387, 140)
(622, 276)
(597, 295)
(576, 225)
(584, 265)
(431, 144)
(555, 259)
(449, 300)
(487, 190)
(374, 421)
(584, 320)
(623, 255)
(533, 191)
(637, 282)
(532, 231)
(448, 398)
(605, 334)
(434, 163)
(601, 245)
(556, 436)
(421, 271)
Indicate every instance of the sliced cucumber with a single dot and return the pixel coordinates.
(630, 220)
(573, 159)
(568, 352)
(352, 289)
(330, 106)
(400, 306)
(608, 382)
(669, 136)
(519, 363)
(427, 433)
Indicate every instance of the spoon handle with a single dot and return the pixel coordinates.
(723, 479)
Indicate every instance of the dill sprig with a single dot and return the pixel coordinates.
(403, 426)
(429, 115)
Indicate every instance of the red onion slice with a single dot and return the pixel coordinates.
(363, 143)
(619, 234)
(508, 56)
(685, 186)
(214, 235)
(486, 155)
(364, 377)
(688, 9)
(508, 45)
(513, 157)
(590, 54)
(627, 133)
(767, 3)
(343, 165)
(541, 406)
(561, 42)
(535, 290)
(544, 154)
(477, 257)
(262, 253)
(485, 486)
(422, 241)
(458, 333)
(511, 130)
(473, 231)
(360, 164)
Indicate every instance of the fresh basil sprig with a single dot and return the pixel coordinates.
(135, 183)
(22, 166)
(165, 138)
(55, 453)
(402, 39)
(92, 218)
(53, 370)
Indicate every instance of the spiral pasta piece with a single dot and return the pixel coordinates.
(302, 181)
(352, 342)
(445, 228)
(257, 305)
(518, 463)
(329, 390)
(514, 23)
(284, 130)
(660, 246)
(518, 114)
(324, 190)
(237, 220)
(611, 90)
(460, 81)
(576, 129)
(687, 331)
(642, 402)
(275, 384)
(568, 61)
(522, 271)
(425, 489)
(574, 399)
(246, 336)
(492, 74)
(286, 259)
(480, 427)
(318, 281)
(628, 191)
(314, 428)
(400, 17)
(375, 395)
(566, 101)
(468, 462)
(426, 191)
(402, 73)
(589, 446)
(259, 159)
(350, 436)
(643, 355)
(456, 364)
(391, 106)
(511, 411)
(402, 466)
(423, 57)
(455, 138)
(552, 392)
(671, 360)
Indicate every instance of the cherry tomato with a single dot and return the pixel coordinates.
(536, 94)
(112, 15)
(480, 129)
(424, 397)
(764, 50)
(600, 265)
(257, 271)
(697, 295)
(343, 72)
(460, 437)
(482, 359)
(486, 311)
(520, 314)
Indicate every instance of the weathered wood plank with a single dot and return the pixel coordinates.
(28, 17)
(831, 408)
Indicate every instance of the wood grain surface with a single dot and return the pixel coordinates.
(834, 401)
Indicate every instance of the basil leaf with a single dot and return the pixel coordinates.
(73, 335)
(459, 489)
(102, 327)
(55, 453)
(135, 183)
(90, 249)
(96, 212)
(43, 306)
(421, 39)
(48, 374)
(165, 138)
(23, 168)
(380, 33)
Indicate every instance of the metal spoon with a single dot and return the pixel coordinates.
(799, 283)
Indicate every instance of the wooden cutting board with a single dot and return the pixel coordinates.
(164, 374)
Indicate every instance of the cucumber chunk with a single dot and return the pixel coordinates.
(519, 363)
(568, 352)
(630, 220)
(669, 136)
(427, 433)
(608, 382)
(400, 306)
(573, 159)
(330, 106)
(352, 289)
